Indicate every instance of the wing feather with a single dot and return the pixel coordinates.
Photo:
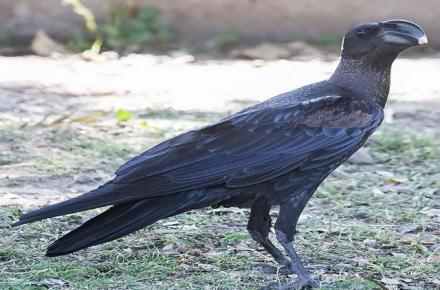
(252, 147)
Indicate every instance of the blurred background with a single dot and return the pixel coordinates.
(197, 21)
(87, 84)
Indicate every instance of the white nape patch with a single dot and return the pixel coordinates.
(423, 39)
(391, 38)
(334, 97)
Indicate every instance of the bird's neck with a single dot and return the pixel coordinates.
(364, 78)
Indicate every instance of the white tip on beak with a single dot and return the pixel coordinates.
(423, 40)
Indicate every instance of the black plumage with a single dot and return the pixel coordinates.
(274, 153)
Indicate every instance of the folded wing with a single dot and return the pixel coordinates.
(245, 149)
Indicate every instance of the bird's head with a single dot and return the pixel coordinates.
(383, 39)
(368, 51)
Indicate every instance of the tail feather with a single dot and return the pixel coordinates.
(123, 219)
(93, 199)
(118, 221)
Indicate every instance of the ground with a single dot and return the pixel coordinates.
(67, 122)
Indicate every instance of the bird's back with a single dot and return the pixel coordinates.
(292, 98)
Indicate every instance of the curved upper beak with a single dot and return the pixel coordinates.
(402, 33)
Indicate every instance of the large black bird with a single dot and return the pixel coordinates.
(274, 153)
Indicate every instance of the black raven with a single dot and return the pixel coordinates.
(273, 153)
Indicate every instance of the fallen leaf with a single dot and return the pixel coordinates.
(90, 117)
(123, 115)
(395, 180)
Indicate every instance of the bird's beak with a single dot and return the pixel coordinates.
(402, 33)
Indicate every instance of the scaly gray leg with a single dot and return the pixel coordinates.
(259, 227)
(285, 229)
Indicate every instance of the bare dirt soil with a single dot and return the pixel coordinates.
(67, 122)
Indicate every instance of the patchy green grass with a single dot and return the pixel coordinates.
(367, 227)
(62, 151)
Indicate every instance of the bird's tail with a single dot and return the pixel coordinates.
(92, 199)
(123, 219)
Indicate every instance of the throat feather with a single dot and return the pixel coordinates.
(364, 78)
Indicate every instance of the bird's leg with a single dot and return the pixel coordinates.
(295, 263)
(285, 228)
(259, 227)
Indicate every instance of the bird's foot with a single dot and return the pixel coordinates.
(297, 284)
(300, 283)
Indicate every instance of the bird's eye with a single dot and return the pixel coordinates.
(361, 33)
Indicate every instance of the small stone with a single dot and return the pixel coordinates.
(84, 178)
(265, 51)
(194, 252)
(89, 55)
(189, 228)
(110, 55)
(44, 45)
(362, 157)
(168, 249)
